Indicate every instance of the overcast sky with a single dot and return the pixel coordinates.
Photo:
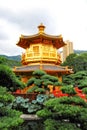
(66, 17)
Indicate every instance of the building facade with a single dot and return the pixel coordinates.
(67, 50)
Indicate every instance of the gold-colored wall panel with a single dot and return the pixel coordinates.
(40, 51)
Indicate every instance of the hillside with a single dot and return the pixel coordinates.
(80, 51)
(11, 62)
(15, 58)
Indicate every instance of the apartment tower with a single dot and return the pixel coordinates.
(67, 50)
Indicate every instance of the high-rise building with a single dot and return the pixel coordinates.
(67, 50)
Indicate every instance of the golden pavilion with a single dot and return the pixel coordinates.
(41, 52)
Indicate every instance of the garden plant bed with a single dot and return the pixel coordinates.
(30, 96)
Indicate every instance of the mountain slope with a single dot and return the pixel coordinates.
(80, 51)
(16, 58)
(9, 62)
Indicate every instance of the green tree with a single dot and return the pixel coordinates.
(9, 62)
(70, 60)
(80, 62)
(38, 73)
(68, 79)
(42, 79)
(8, 79)
(64, 113)
(2, 60)
(68, 89)
(9, 118)
(77, 61)
(79, 79)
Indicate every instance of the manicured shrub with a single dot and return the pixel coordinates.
(84, 90)
(8, 79)
(64, 113)
(69, 89)
(9, 118)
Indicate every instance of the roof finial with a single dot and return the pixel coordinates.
(41, 28)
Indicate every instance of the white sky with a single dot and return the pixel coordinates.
(66, 17)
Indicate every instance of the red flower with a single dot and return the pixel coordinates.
(81, 95)
(78, 90)
(59, 93)
(18, 91)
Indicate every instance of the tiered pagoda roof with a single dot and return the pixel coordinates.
(41, 36)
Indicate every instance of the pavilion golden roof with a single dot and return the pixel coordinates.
(41, 37)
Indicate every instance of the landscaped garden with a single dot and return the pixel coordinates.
(58, 106)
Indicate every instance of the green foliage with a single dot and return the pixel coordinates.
(53, 79)
(81, 62)
(68, 79)
(82, 83)
(66, 100)
(20, 100)
(58, 83)
(46, 76)
(31, 90)
(38, 73)
(64, 113)
(9, 118)
(80, 75)
(30, 107)
(9, 62)
(8, 79)
(45, 113)
(70, 60)
(30, 81)
(41, 98)
(38, 82)
(37, 104)
(40, 90)
(77, 62)
(42, 80)
(5, 98)
(47, 82)
(79, 79)
(35, 81)
(31, 125)
(2, 60)
(20, 104)
(68, 89)
(49, 77)
(52, 124)
(73, 100)
(84, 90)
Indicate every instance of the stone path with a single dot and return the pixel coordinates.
(30, 117)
